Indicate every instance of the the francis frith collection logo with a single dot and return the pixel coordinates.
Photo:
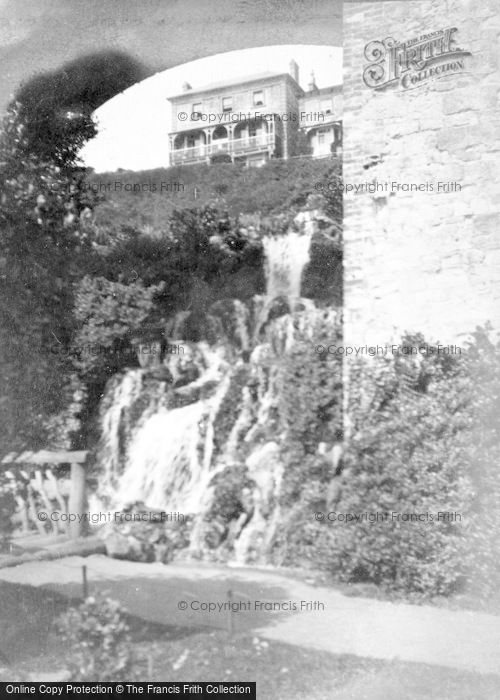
(415, 62)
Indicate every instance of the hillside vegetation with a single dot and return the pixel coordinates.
(280, 187)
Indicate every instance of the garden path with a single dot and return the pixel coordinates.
(340, 624)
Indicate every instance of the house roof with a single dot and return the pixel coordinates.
(330, 90)
(256, 77)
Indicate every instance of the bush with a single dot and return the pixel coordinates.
(109, 313)
(228, 486)
(306, 389)
(421, 443)
(99, 639)
(308, 383)
(198, 244)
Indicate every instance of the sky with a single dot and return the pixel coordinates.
(42, 35)
(134, 125)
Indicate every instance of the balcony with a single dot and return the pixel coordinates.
(236, 147)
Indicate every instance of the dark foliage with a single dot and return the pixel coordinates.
(56, 107)
(425, 440)
(44, 235)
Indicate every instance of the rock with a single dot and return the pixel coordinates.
(161, 374)
(185, 366)
(214, 533)
(116, 545)
(278, 307)
(233, 318)
(164, 553)
(140, 550)
(120, 546)
(322, 278)
(144, 541)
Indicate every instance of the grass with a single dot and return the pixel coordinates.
(167, 653)
(277, 187)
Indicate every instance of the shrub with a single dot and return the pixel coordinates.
(100, 641)
(228, 485)
(418, 446)
(109, 313)
(308, 383)
(198, 244)
(482, 446)
(306, 388)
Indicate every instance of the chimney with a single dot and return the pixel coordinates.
(186, 86)
(312, 87)
(294, 71)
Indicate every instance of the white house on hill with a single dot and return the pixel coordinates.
(255, 118)
(241, 118)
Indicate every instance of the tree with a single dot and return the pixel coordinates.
(56, 107)
(44, 232)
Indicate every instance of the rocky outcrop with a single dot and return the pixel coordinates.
(143, 540)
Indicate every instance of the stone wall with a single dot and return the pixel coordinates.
(427, 260)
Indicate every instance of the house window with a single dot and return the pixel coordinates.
(191, 141)
(252, 131)
(197, 109)
(326, 106)
(321, 139)
(258, 98)
(227, 104)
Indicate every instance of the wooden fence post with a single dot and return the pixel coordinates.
(231, 614)
(77, 499)
(85, 585)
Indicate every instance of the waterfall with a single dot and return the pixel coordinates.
(241, 330)
(286, 256)
(117, 423)
(163, 442)
(285, 259)
(163, 460)
(157, 443)
(169, 463)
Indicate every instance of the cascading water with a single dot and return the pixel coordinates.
(117, 423)
(285, 259)
(286, 256)
(157, 443)
(162, 444)
(170, 458)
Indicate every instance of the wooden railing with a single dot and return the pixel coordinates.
(26, 473)
(235, 146)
